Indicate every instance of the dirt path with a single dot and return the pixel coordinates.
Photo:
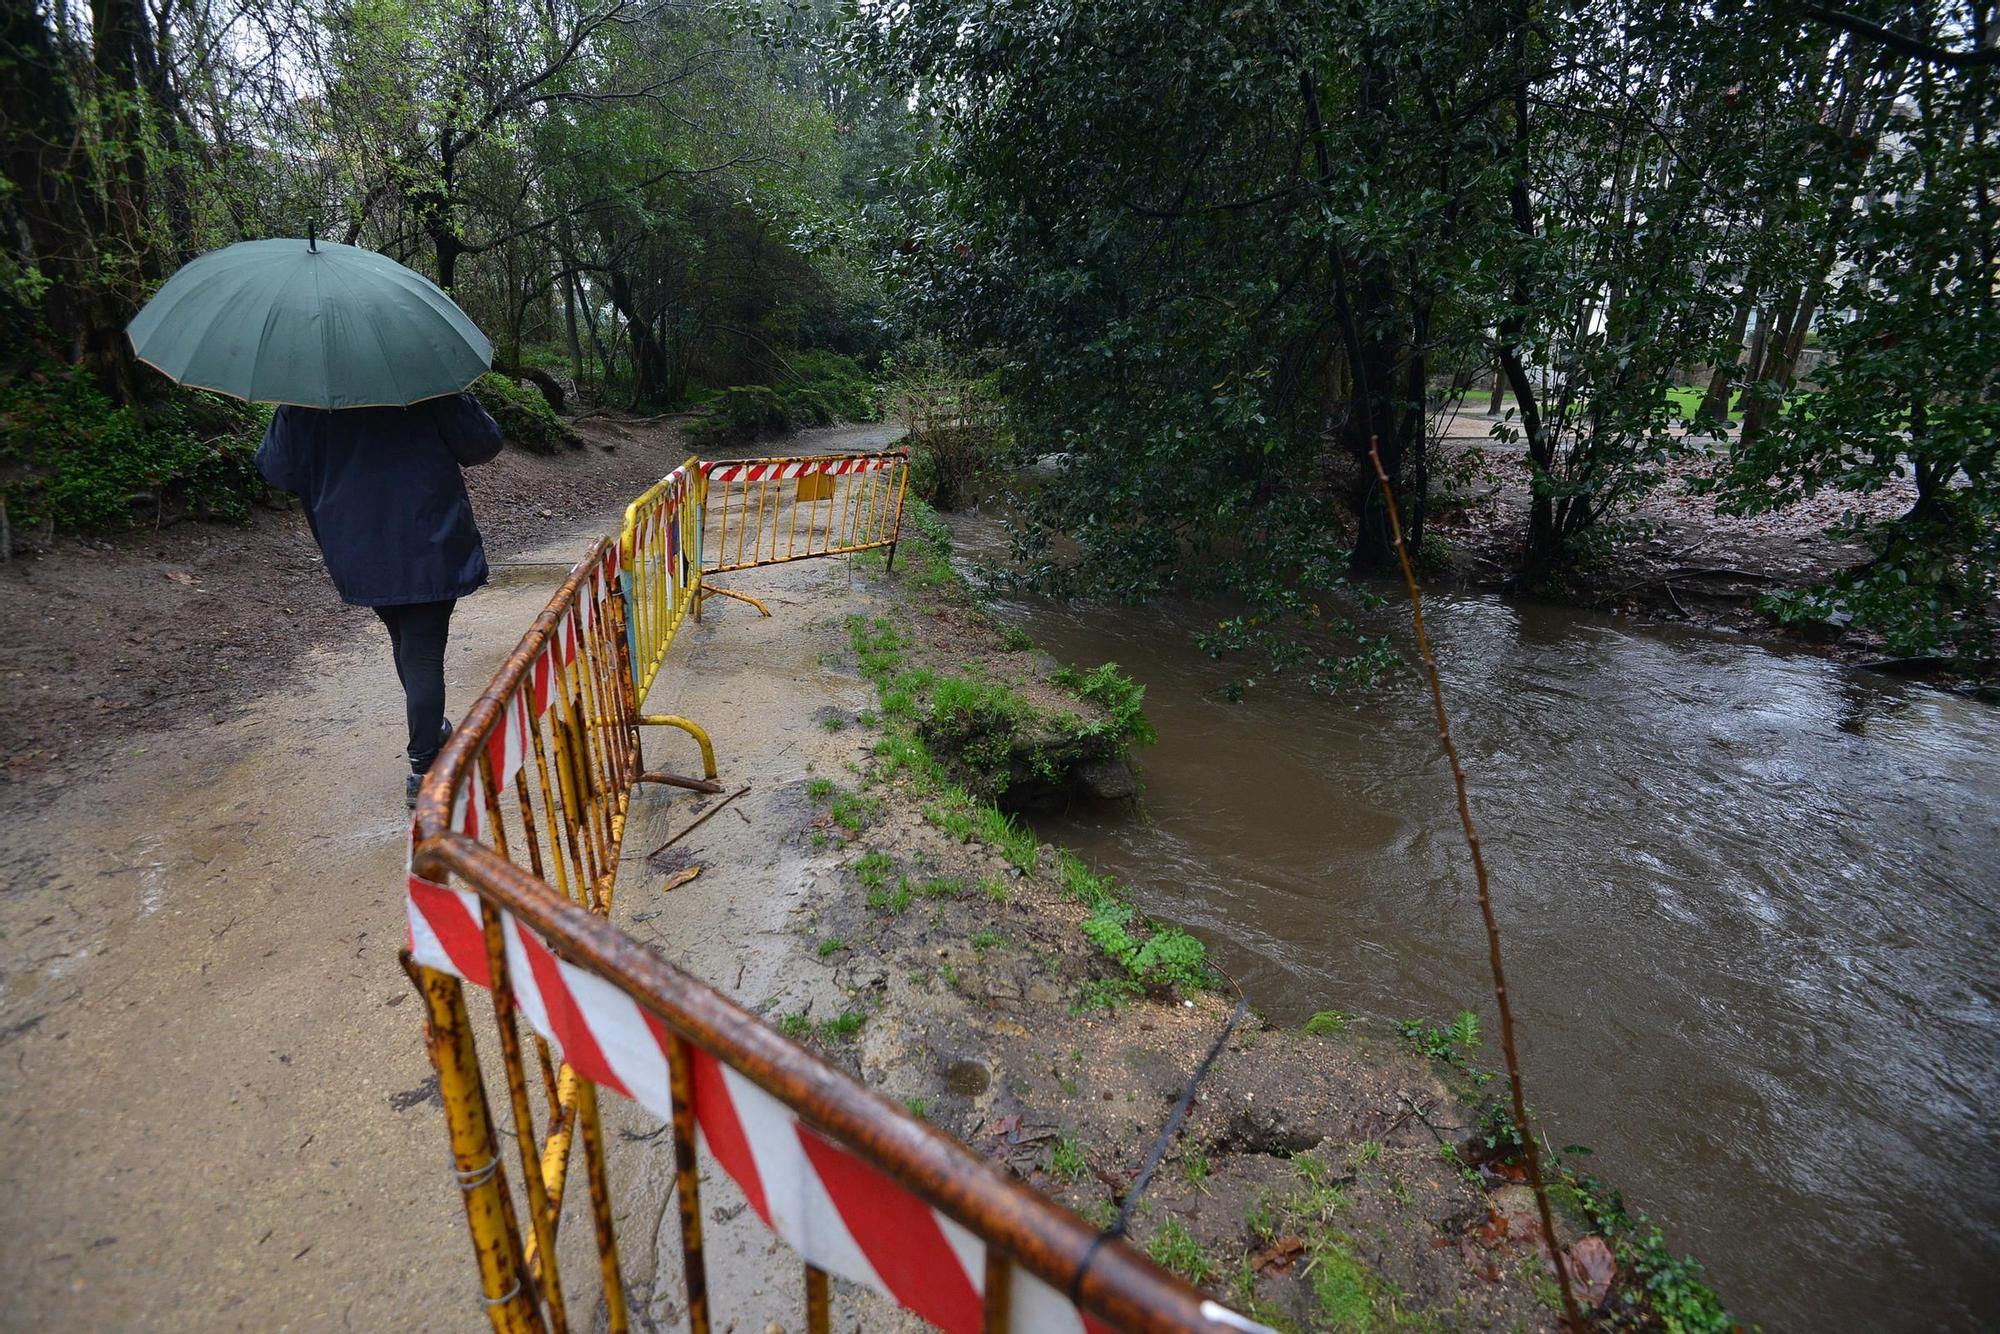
(216, 1102)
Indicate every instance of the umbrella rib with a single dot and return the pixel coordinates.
(402, 393)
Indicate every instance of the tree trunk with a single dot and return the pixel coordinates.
(56, 220)
(1715, 403)
(118, 29)
(569, 327)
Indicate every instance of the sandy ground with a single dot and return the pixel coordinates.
(217, 1105)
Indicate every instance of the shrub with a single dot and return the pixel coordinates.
(820, 389)
(1119, 695)
(525, 417)
(70, 458)
(744, 412)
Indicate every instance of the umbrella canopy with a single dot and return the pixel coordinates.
(315, 324)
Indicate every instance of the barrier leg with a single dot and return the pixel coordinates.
(996, 1310)
(489, 1212)
(707, 592)
(694, 730)
(600, 1207)
(819, 1307)
(687, 1182)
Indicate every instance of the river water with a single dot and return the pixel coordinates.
(1750, 902)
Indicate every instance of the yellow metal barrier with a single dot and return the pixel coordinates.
(659, 548)
(514, 860)
(764, 511)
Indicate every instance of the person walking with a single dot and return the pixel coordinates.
(384, 494)
(369, 362)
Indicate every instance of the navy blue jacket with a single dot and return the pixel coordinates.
(384, 495)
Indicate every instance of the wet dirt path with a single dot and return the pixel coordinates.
(212, 1084)
(216, 1097)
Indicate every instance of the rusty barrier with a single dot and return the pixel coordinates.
(660, 579)
(514, 860)
(764, 511)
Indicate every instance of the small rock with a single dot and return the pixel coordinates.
(1107, 780)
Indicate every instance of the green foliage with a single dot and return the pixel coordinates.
(820, 389)
(831, 945)
(1120, 696)
(986, 939)
(71, 459)
(1386, 198)
(872, 868)
(838, 387)
(1465, 1031)
(1083, 884)
(956, 436)
(1325, 1023)
(1016, 843)
(741, 412)
(1904, 391)
(1454, 1045)
(1344, 1289)
(955, 818)
(819, 789)
(524, 415)
(843, 1026)
(1168, 957)
(893, 901)
(853, 812)
(1066, 1160)
(1670, 1292)
(928, 543)
(1174, 1247)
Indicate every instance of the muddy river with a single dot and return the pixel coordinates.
(1750, 901)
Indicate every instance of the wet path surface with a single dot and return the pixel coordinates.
(217, 1109)
(1751, 903)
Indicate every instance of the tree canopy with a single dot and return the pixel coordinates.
(1215, 249)
(1208, 252)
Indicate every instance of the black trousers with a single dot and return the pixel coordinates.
(417, 632)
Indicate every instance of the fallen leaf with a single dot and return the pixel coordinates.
(1279, 1256)
(679, 878)
(181, 577)
(1592, 1267)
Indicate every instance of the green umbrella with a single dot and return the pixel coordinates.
(322, 326)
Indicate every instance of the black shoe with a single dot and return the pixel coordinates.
(417, 778)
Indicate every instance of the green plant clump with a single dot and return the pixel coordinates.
(72, 459)
(1325, 1023)
(524, 415)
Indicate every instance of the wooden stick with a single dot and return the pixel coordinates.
(697, 822)
(1571, 1316)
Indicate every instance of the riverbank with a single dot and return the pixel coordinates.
(1337, 1174)
(1671, 556)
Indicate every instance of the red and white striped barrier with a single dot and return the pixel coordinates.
(836, 1211)
(784, 469)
